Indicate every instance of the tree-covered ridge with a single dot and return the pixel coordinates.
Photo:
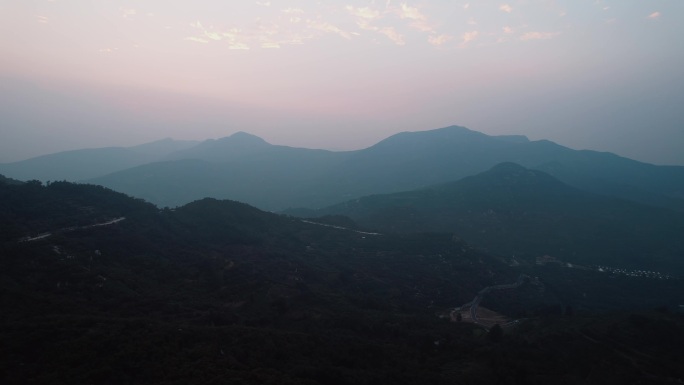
(32, 208)
(6, 180)
(513, 210)
(211, 269)
(221, 292)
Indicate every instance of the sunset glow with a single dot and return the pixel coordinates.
(604, 75)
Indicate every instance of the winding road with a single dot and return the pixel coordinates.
(339, 227)
(68, 229)
(473, 305)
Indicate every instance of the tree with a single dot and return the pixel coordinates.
(495, 333)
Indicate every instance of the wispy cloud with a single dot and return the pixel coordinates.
(215, 35)
(366, 16)
(469, 36)
(439, 40)
(240, 46)
(294, 15)
(365, 13)
(292, 26)
(208, 34)
(538, 35)
(384, 21)
(418, 20)
(128, 13)
(293, 11)
(42, 19)
(407, 12)
(654, 15)
(197, 39)
(328, 28)
(393, 35)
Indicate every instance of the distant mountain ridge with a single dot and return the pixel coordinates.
(417, 159)
(246, 168)
(241, 166)
(89, 163)
(223, 149)
(513, 210)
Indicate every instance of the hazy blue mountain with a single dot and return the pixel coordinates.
(246, 168)
(89, 163)
(513, 210)
(241, 167)
(253, 151)
(412, 160)
(225, 149)
(162, 148)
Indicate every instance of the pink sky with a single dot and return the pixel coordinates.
(604, 75)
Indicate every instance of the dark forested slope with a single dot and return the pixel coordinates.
(513, 210)
(96, 287)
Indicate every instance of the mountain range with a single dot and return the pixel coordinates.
(279, 177)
(512, 210)
(246, 168)
(431, 257)
(89, 163)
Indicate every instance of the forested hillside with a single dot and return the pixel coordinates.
(98, 287)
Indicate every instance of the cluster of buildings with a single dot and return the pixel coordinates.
(633, 273)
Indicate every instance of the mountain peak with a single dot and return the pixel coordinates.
(512, 174)
(244, 138)
(237, 141)
(224, 149)
(418, 139)
(508, 168)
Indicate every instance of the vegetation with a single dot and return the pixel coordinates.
(511, 210)
(221, 292)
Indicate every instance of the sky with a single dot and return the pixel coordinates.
(605, 75)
